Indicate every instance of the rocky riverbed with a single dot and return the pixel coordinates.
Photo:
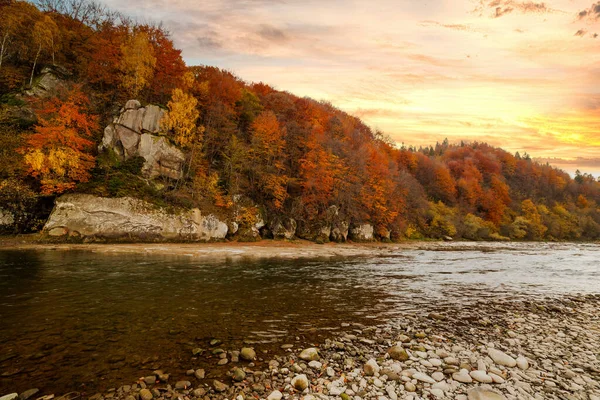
(492, 349)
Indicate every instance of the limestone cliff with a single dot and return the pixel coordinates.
(87, 216)
(135, 132)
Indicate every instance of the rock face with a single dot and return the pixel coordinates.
(81, 215)
(134, 132)
(7, 219)
(361, 232)
(321, 229)
(50, 81)
(283, 228)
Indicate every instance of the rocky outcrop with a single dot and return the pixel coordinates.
(247, 220)
(321, 229)
(283, 228)
(135, 133)
(7, 220)
(317, 231)
(50, 82)
(361, 232)
(339, 227)
(86, 216)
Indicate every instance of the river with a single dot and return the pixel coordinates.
(83, 321)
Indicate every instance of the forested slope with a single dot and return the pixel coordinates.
(68, 67)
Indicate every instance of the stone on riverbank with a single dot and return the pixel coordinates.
(275, 395)
(300, 382)
(371, 367)
(482, 394)
(310, 354)
(398, 353)
(501, 358)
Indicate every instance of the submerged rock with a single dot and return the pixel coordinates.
(247, 354)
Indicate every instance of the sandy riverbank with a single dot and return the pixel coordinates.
(227, 250)
(263, 249)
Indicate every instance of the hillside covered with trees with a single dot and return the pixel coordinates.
(245, 143)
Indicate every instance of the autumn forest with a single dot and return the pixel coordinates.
(247, 145)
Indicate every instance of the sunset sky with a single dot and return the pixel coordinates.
(521, 75)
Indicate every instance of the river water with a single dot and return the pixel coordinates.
(83, 321)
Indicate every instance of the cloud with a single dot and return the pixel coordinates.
(499, 8)
(455, 27)
(209, 43)
(272, 33)
(581, 33)
(592, 13)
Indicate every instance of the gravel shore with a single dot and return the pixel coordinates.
(493, 349)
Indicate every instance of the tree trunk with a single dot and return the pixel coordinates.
(2, 48)
(34, 64)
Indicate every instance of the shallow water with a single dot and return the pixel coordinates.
(87, 322)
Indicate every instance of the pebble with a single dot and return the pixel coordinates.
(275, 395)
(496, 378)
(238, 374)
(410, 387)
(200, 373)
(28, 393)
(522, 363)
(315, 365)
(437, 393)
(300, 382)
(247, 354)
(150, 380)
(481, 376)
(145, 394)
(398, 353)
(462, 376)
(219, 386)
(371, 367)
(423, 377)
(483, 394)
(179, 385)
(501, 358)
(310, 354)
(438, 376)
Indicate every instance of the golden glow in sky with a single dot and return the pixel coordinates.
(521, 75)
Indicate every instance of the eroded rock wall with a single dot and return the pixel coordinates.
(87, 216)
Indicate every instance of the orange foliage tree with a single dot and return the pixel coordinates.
(58, 153)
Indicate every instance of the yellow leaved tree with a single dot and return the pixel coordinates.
(183, 115)
(137, 63)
